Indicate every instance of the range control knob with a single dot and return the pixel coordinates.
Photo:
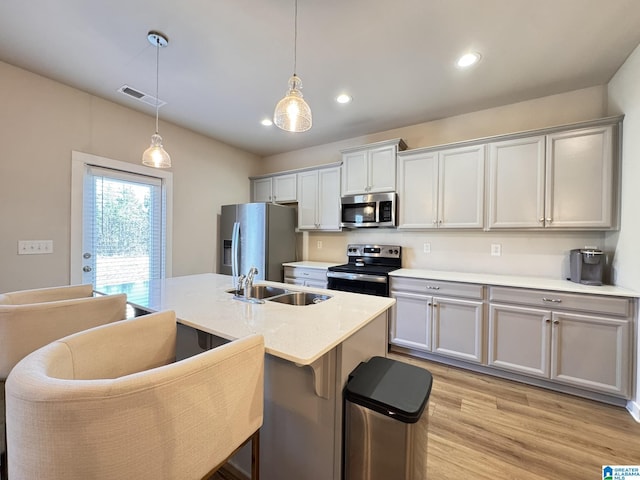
(395, 251)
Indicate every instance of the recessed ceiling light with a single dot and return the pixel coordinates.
(343, 98)
(266, 122)
(468, 59)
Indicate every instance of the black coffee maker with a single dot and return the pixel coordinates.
(586, 265)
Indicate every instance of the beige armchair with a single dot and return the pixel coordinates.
(30, 319)
(111, 403)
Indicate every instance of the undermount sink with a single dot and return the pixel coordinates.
(300, 298)
(259, 293)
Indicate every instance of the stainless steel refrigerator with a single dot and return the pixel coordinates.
(258, 235)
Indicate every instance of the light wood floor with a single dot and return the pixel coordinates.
(487, 428)
(482, 427)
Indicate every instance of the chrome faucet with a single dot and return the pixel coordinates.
(248, 283)
(240, 284)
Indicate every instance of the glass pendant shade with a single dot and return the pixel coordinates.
(155, 155)
(292, 113)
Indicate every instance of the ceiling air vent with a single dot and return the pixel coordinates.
(141, 96)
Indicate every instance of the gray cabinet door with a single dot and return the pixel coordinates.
(519, 339)
(579, 179)
(591, 352)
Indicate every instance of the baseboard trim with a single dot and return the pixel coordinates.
(634, 409)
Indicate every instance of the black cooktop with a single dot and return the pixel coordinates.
(371, 259)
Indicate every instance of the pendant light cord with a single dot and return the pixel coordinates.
(295, 36)
(157, 78)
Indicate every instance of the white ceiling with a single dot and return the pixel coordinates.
(228, 61)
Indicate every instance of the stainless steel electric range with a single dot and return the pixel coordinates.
(367, 270)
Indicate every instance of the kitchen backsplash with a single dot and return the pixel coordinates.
(540, 254)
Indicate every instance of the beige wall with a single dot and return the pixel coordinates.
(537, 253)
(42, 121)
(624, 97)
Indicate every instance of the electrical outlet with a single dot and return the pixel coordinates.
(319, 244)
(496, 249)
(35, 247)
(427, 248)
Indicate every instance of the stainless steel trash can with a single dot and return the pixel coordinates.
(385, 428)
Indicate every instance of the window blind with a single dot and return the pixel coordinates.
(124, 227)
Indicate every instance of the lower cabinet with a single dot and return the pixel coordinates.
(306, 277)
(559, 338)
(581, 349)
(439, 317)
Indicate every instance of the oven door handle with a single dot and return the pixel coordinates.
(363, 277)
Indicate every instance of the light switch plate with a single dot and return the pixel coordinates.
(496, 249)
(35, 247)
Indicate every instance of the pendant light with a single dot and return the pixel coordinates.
(292, 112)
(155, 155)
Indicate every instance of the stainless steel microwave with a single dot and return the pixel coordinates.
(369, 210)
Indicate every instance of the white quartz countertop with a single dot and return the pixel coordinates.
(312, 264)
(539, 283)
(300, 334)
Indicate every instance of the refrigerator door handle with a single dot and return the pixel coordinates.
(235, 238)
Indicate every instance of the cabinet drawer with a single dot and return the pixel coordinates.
(306, 273)
(439, 288)
(562, 301)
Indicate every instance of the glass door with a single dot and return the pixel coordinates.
(123, 227)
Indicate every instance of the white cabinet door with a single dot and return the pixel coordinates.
(579, 183)
(418, 190)
(319, 199)
(382, 169)
(355, 178)
(261, 189)
(410, 325)
(458, 328)
(591, 352)
(370, 168)
(308, 200)
(441, 189)
(461, 187)
(329, 198)
(516, 183)
(519, 339)
(285, 188)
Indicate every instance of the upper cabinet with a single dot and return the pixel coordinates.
(319, 199)
(370, 168)
(441, 188)
(579, 180)
(516, 183)
(560, 180)
(276, 188)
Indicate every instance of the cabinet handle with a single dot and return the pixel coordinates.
(552, 300)
(549, 220)
(439, 222)
(429, 287)
(429, 304)
(541, 220)
(435, 305)
(556, 322)
(547, 320)
(435, 222)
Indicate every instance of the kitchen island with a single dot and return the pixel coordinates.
(311, 350)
